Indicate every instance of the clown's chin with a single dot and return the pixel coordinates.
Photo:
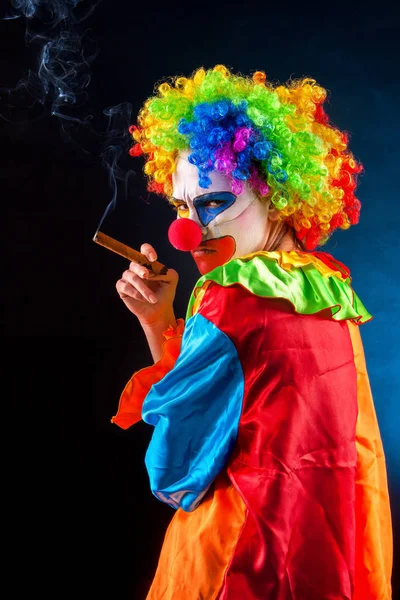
(214, 253)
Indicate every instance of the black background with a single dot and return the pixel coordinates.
(79, 519)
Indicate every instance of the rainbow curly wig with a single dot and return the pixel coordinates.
(276, 138)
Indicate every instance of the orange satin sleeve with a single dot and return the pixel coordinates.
(132, 398)
(374, 542)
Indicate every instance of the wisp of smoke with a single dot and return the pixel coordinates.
(118, 139)
(59, 84)
(65, 53)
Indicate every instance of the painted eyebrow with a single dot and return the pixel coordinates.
(174, 201)
(208, 196)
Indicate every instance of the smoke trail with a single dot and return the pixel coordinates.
(58, 86)
(115, 151)
(65, 53)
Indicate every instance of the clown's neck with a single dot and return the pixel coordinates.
(281, 237)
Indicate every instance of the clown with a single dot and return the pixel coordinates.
(265, 437)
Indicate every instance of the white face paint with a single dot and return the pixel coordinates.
(232, 226)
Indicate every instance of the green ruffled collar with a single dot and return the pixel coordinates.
(309, 283)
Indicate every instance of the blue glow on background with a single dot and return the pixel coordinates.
(370, 250)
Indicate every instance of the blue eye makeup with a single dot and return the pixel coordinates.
(208, 206)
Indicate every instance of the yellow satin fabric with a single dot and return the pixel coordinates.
(293, 260)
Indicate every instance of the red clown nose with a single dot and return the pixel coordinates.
(184, 234)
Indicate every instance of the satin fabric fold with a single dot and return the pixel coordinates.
(131, 400)
(195, 412)
(295, 459)
(307, 282)
(374, 536)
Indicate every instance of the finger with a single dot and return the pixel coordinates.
(139, 269)
(139, 284)
(126, 290)
(149, 252)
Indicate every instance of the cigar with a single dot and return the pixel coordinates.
(155, 268)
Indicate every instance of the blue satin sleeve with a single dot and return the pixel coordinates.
(195, 410)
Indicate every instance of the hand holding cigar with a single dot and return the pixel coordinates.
(157, 269)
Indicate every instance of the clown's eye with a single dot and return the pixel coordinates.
(180, 208)
(213, 203)
(209, 206)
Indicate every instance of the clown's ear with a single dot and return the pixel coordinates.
(273, 213)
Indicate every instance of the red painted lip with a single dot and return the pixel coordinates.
(207, 245)
(203, 249)
(217, 252)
